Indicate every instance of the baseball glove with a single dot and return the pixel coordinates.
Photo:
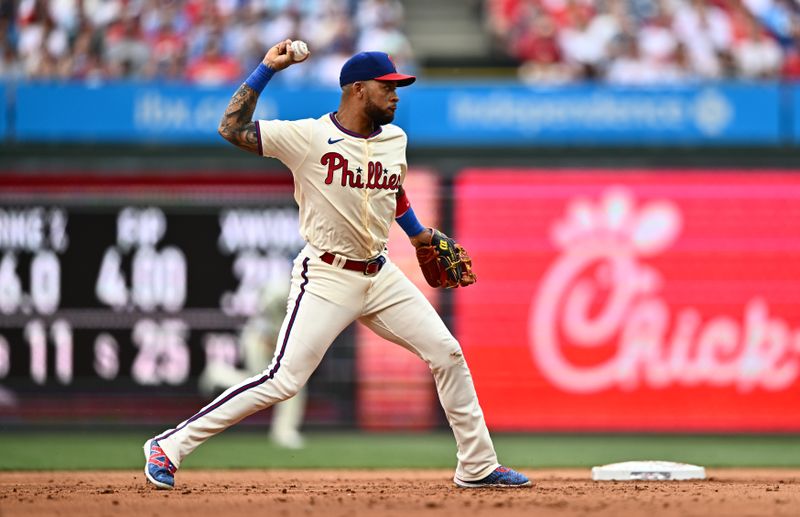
(445, 263)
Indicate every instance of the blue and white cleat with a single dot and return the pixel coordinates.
(501, 477)
(158, 469)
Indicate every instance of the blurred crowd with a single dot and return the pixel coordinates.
(648, 41)
(555, 41)
(200, 41)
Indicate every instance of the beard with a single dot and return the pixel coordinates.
(378, 116)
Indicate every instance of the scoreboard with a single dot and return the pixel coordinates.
(113, 288)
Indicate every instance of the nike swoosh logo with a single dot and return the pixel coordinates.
(331, 141)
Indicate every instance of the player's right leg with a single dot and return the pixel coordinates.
(309, 328)
(396, 310)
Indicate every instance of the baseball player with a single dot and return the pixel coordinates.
(348, 169)
(257, 343)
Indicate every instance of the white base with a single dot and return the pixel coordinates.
(647, 471)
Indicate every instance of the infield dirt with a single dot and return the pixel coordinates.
(228, 493)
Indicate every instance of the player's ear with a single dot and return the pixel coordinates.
(359, 89)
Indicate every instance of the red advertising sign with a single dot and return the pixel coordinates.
(643, 300)
(395, 388)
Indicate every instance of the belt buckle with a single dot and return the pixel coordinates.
(374, 265)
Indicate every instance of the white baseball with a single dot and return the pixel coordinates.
(300, 50)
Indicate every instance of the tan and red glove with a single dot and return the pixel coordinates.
(445, 263)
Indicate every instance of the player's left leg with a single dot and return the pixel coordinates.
(396, 310)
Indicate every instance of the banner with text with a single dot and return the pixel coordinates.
(453, 114)
(147, 112)
(595, 114)
(3, 111)
(645, 300)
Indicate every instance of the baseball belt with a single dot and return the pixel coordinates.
(367, 267)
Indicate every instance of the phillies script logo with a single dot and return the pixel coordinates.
(376, 176)
(600, 292)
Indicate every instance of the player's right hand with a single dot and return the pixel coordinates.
(281, 56)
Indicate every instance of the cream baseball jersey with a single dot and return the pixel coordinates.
(344, 183)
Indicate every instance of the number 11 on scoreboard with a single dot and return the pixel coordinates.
(61, 335)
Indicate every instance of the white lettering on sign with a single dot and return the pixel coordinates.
(31, 229)
(708, 110)
(599, 294)
(158, 276)
(265, 230)
(157, 111)
(140, 227)
(22, 229)
(599, 111)
(163, 356)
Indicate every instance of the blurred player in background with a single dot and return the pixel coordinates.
(348, 168)
(257, 345)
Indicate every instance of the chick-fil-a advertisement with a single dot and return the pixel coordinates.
(643, 300)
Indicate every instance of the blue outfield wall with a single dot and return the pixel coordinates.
(433, 114)
(582, 114)
(4, 103)
(793, 107)
(143, 113)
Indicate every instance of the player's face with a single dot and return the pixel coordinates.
(381, 101)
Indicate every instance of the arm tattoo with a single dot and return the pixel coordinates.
(236, 125)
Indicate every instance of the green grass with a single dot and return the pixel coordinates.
(237, 449)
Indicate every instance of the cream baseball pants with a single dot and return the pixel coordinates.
(323, 301)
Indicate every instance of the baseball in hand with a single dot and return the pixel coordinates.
(300, 50)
